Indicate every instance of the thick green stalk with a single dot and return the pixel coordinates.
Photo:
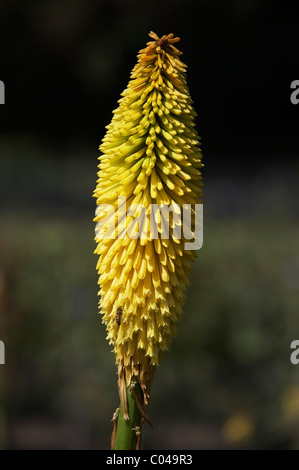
(128, 432)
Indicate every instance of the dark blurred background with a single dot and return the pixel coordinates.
(228, 381)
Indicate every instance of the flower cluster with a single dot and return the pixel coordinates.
(151, 157)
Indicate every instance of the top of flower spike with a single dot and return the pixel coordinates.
(158, 45)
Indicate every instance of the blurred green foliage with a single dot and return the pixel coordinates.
(227, 382)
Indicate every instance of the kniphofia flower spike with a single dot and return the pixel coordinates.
(150, 156)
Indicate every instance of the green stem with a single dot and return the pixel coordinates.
(127, 431)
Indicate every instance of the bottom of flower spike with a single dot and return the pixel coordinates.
(143, 373)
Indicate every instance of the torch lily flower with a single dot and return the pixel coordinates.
(150, 161)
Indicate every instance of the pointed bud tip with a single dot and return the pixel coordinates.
(164, 40)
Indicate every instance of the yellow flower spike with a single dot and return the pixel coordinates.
(150, 156)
